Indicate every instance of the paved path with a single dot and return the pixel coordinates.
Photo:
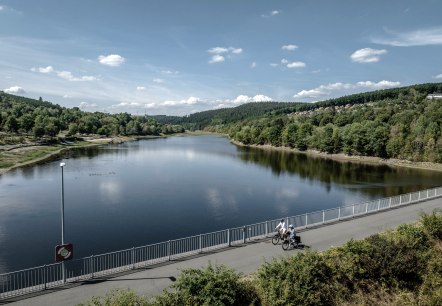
(245, 259)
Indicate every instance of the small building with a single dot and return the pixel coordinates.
(434, 96)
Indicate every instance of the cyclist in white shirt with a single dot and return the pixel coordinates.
(281, 227)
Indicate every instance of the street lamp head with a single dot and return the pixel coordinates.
(62, 164)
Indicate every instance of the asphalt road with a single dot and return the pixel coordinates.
(246, 258)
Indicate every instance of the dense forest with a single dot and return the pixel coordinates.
(38, 118)
(397, 123)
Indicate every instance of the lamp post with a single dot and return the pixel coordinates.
(62, 219)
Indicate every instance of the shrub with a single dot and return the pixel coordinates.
(217, 285)
(304, 279)
(431, 289)
(117, 297)
(432, 224)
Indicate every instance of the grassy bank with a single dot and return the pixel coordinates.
(28, 153)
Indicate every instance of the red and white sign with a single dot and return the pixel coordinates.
(64, 252)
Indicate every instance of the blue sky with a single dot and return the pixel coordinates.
(184, 56)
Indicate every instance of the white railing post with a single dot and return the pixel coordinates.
(366, 208)
(168, 250)
(323, 216)
(339, 213)
(389, 203)
(92, 266)
(201, 243)
(379, 205)
(267, 228)
(400, 199)
(306, 220)
(244, 234)
(133, 257)
(229, 243)
(44, 275)
(353, 211)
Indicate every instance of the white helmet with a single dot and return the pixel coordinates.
(291, 226)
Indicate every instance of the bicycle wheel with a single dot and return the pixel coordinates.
(275, 239)
(285, 245)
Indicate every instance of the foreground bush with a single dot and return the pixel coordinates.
(214, 285)
(118, 297)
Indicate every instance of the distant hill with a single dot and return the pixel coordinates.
(391, 123)
(200, 120)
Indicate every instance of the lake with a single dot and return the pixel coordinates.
(122, 195)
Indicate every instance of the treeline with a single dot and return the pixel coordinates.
(201, 120)
(400, 267)
(38, 118)
(396, 123)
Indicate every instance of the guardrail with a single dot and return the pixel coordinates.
(50, 276)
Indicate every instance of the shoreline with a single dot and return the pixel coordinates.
(341, 157)
(90, 142)
(93, 141)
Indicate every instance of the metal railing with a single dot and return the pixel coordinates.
(49, 276)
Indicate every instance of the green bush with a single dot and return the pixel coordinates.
(304, 279)
(379, 259)
(217, 285)
(118, 297)
(432, 224)
(431, 289)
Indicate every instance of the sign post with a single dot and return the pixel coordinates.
(64, 252)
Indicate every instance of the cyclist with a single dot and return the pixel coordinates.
(292, 232)
(281, 227)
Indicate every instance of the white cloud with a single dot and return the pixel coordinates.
(1, 8)
(149, 105)
(423, 37)
(235, 50)
(113, 60)
(274, 65)
(296, 65)
(169, 72)
(188, 101)
(289, 47)
(327, 90)
(141, 88)
(271, 14)
(246, 99)
(15, 90)
(217, 51)
(67, 75)
(379, 85)
(48, 69)
(284, 61)
(253, 65)
(158, 80)
(84, 105)
(217, 59)
(439, 76)
(367, 55)
(67, 96)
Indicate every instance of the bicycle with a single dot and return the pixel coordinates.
(278, 236)
(296, 243)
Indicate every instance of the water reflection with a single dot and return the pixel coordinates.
(373, 180)
(120, 196)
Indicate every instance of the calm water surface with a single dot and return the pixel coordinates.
(137, 193)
